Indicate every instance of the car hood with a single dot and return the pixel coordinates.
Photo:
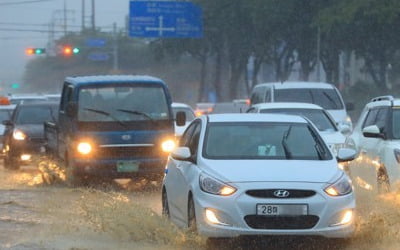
(32, 130)
(273, 170)
(333, 137)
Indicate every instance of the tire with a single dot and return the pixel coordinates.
(383, 182)
(192, 222)
(165, 206)
(10, 162)
(72, 177)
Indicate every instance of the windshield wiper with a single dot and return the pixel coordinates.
(135, 112)
(330, 99)
(320, 150)
(106, 114)
(288, 154)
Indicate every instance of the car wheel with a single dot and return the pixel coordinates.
(10, 162)
(165, 206)
(383, 181)
(192, 224)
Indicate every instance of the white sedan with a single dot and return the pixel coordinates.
(257, 174)
(326, 125)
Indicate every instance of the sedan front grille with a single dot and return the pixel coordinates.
(269, 193)
(281, 222)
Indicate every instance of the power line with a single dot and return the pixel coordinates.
(24, 2)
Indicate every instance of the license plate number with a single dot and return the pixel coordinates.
(282, 209)
(127, 166)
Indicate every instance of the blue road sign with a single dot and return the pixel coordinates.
(95, 42)
(98, 56)
(165, 19)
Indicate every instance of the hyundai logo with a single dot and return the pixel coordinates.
(126, 137)
(281, 193)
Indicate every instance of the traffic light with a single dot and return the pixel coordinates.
(69, 50)
(35, 51)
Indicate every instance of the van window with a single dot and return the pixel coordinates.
(326, 98)
(258, 95)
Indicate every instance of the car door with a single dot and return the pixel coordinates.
(369, 147)
(177, 184)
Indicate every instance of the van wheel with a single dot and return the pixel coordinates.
(192, 224)
(72, 177)
(383, 181)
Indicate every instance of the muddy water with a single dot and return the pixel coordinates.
(126, 215)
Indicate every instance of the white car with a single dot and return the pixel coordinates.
(189, 112)
(5, 114)
(376, 137)
(316, 114)
(323, 94)
(257, 174)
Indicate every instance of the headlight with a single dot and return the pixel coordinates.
(213, 186)
(19, 135)
(84, 148)
(168, 145)
(340, 187)
(397, 155)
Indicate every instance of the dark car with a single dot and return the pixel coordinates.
(24, 133)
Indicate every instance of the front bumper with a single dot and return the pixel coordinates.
(238, 213)
(153, 167)
(24, 152)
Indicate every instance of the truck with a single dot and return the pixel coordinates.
(112, 126)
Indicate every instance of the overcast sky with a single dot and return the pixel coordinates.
(26, 15)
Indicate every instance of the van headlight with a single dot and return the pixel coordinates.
(213, 186)
(19, 135)
(84, 148)
(341, 187)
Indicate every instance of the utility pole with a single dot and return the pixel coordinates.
(83, 14)
(115, 48)
(93, 16)
(65, 18)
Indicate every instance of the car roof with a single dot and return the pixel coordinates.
(297, 85)
(285, 105)
(8, 107)
(15, 97)
(41, 103)
(106, 79)
(387, 100)
(180, 105)
(256, 118)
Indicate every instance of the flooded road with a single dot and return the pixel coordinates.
(126, 215)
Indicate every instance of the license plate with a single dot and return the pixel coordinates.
(282, 209)
(127, 166)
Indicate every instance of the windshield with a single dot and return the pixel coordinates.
(263, 141)
(396, 123)
(317, 116)
(326, 98)
(189, 113)
(5, 114)
(35, 114)
(122, 103)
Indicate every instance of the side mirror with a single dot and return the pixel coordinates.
(346, 154)
(373, 132)
(180, 118)
(7, 123)
(72, 109)
(181, 154)
(344, 128)
(350, 106)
